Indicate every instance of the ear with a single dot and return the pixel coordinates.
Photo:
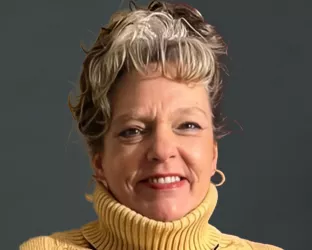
(214, 159)
(97, 165)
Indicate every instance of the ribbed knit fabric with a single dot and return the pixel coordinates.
(120, 228)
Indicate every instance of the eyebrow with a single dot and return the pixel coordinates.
(191, 110)
(136, 115)
(131, 115)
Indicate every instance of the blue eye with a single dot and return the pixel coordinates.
(131, 132)
(189, 125)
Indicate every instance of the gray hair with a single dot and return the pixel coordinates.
(162, 34)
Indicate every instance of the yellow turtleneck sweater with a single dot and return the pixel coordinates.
(120, 228)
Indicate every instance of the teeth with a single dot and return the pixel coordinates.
(168, 179)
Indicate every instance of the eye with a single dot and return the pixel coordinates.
(131, 132)
(189, 126)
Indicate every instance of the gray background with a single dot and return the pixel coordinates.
(45, 170)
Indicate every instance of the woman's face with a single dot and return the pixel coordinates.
(159, 153)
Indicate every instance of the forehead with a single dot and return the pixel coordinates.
(135, 89)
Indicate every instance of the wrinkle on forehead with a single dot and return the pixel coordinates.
(136, 114)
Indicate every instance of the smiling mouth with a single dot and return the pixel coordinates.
(164, 180)
(165, 183)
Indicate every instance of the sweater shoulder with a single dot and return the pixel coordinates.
(69, 240)
(48, 243)
(260, 246)
(244, 244)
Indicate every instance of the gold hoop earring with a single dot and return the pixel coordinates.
(222, 178)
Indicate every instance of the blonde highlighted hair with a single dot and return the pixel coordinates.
(162, 34)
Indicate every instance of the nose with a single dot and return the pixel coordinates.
(162, 146)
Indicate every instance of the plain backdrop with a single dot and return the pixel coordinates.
(45, 170)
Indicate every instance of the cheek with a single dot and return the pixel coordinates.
(198, 155)
(121, 160)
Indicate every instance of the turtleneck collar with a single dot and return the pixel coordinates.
(119, 227)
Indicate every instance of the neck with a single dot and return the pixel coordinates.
(119, 227)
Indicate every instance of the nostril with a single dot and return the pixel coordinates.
(155, 159)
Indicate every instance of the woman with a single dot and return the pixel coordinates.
(149, 110)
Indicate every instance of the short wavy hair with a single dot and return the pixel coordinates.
(162, 34)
